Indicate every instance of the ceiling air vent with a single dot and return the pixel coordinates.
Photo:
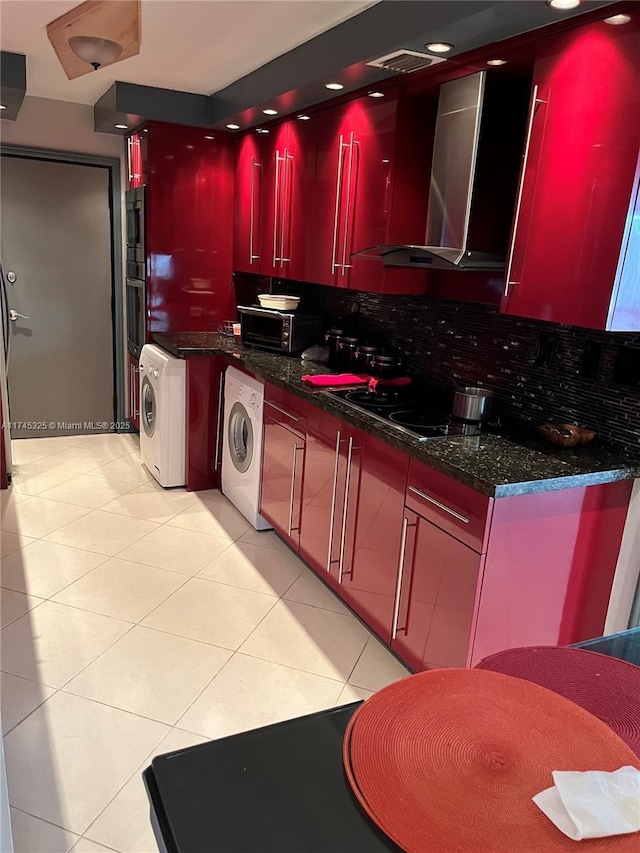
(405, 61)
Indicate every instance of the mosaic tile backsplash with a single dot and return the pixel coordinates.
(541, 372)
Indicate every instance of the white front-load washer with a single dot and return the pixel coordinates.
(163, 415)
(242, 444)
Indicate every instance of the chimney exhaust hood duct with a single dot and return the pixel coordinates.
(479, 137)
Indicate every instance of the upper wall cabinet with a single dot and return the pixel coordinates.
(575, 251)
(310, 192)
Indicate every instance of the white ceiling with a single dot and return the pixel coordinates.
(191, 45)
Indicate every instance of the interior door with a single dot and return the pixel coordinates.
(56, 240)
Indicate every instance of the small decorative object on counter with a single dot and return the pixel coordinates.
(386, 366)
(347, 348)
(566, 435)
(365, 359)
(332, 338)
(226, 328)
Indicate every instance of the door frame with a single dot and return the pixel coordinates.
(114, 167)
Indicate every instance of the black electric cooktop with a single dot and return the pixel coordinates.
(417, 413)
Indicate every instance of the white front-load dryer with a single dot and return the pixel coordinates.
(163, 415)
(242, 444)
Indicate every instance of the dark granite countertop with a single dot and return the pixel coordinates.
(496, 465)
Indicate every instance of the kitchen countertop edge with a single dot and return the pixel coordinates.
(284, 372)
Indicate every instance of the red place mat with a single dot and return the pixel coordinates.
(447, 762)
(607, 687)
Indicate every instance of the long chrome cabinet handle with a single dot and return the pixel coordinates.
(336, 218)
(532, 113)
(334, 494)
(216, 463)
(287, 172)
(131, 407)
(296, 448)
(441, 506)
(352, 151)
(401, 562)
(276, 210)
(252, 212)
(345, 510)
(282, 411)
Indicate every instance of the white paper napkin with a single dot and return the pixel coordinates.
(593, 804)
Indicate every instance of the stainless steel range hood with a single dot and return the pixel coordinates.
(478, 140)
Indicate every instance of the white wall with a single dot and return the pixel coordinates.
(59, 126)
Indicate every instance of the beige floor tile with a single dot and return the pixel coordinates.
(9, 497)
(128, 468)
(19, 698)
(176, 549)
(13, 605)
(121, 589)
(44, 568)
(248, 693)
(211, 495)
(146, 502)
(211, 612)
(308, 638)
(36, 516)
(58, 442)
(124, 824)
(92, 492)
(106, 442)
(309, 590)
(253, 567)
(102, 532)
(78, 460)
(150, 673)
(32, 835)
(86, 845)
(377, 667)
(265, 538)
(24, 451)
(12, 542)
(216, 518)
(53, 643)
(349, 693)
(69, 758)
(33, 479)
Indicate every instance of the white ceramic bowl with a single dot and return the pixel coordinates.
(279, 301)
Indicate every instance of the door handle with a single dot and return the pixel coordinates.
(252, 214)
(136, 392)
(296, 448)
(14, 315)
(334, 495)
(216, 463)
(406, 524)
(336, 218)
(535, 103)
(345, 511)
(352, 151)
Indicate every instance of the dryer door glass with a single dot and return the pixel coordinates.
(240, 438)
(148, 407)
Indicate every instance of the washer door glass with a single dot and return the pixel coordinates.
(148, 411)
(240, 438)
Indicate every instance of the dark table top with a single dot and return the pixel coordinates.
(496, 465)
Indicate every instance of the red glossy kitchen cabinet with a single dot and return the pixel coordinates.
(370, 187)
(440, 569)
(247, 220)
(287, 155)
(137, 160)
(283, 450)
(189, 222)
(133, 382)
(204, 421)
(573, 227)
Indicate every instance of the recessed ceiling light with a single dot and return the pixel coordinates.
(616, 20)
(2, 107)
(439, 47)
(145, 130)
(209, 137)
(121, 126)
(233, 126)
(261, 130)
(335, 86)
(304, 118)
(385, 160)
(270, 112)
(190, 147)
(563, 5)
(496, 61)
(376, 94)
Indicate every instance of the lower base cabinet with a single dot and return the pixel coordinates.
(445, 575)
(204, 421)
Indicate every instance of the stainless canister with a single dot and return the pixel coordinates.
(471, 403)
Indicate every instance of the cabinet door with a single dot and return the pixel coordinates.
(247, 204)
(133, 407)
(282, 473)
(579, 166)
(205, 399)
(275, 168)
(369, 575)
(437, 585)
